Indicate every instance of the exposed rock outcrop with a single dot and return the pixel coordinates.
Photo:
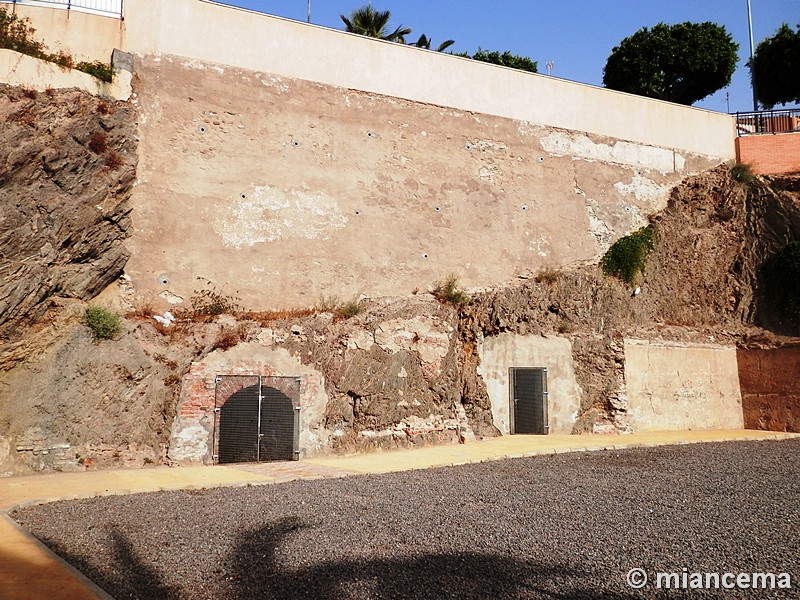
(67, 166)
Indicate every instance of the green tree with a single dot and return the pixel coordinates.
(425, 42)
(782, 280)
(680, 63)
(374, 23)
(506, 59)
(775, 68)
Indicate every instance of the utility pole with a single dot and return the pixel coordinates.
(309, 11)
(752, 81)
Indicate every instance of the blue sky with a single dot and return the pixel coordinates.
(576, 35)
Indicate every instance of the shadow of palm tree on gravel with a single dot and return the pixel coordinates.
(130, 577)
(254, 572)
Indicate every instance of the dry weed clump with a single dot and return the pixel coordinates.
(143, 312)
(98, 142)
(113, 160)
(23, 117)
(207, 304)
(267, 317)
(547, 275)
(230, 337)
(172, 380)
(104, 109)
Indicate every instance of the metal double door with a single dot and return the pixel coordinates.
(257, 418)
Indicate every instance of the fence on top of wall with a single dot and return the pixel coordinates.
(109, 8)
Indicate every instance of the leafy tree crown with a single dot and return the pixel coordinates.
(775, 68)
(507, 59)
(680, 63)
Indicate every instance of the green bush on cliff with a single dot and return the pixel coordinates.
(448, 292)
(782, 281)
(97, 69)
(628, 255)
(103, 323)
(742, 172)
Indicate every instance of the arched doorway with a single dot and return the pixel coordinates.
(256, 418)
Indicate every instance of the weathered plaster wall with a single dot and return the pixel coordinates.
(682, 386)
(283, 190)
(191, 437)
(85, 36)
(498, 353)
(770, 383)
(280, 189)
(40, 75)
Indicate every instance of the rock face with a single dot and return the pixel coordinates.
(67, 165)
(78, 403)
(405, 371)
(389, 377)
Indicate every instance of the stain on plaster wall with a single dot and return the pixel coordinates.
(264, 214)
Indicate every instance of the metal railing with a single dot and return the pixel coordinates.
(99, 7)
(768, 121)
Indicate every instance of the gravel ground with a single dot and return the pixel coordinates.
(559, 526)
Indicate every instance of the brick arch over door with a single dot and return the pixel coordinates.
(257, 419)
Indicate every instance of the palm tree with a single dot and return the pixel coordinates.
(373, 23)
(425, 42)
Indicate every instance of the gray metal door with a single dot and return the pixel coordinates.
(256, 418)
(528, 389)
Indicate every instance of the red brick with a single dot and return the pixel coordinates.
(770, 154)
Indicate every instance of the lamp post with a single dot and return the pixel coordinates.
(309, 10)
(752, 81)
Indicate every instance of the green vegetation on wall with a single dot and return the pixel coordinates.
(448, 292)
(340, 309)
(742, 172)
(782, 281)
(628, 255)
(16, 34)
(97, 69)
